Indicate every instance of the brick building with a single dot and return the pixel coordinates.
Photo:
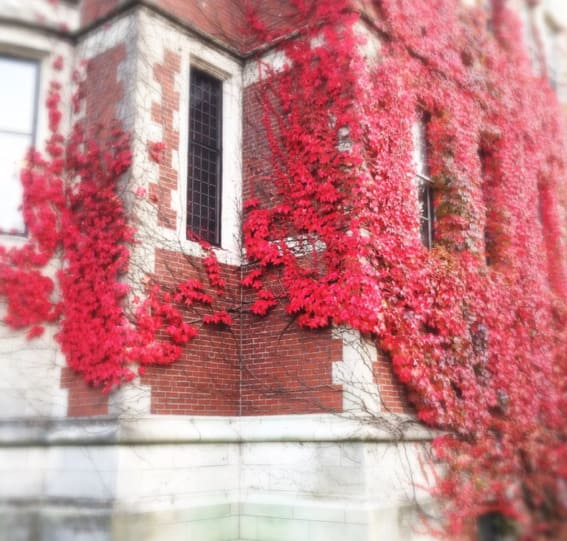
(261, 431)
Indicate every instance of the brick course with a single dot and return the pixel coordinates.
(94, 9)
(393, 396)
(83, 400)
(205, 380)
(286, 369)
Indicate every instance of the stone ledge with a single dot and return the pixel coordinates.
(190, 429)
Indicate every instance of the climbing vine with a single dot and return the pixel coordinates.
(475, 326)
(74, 208)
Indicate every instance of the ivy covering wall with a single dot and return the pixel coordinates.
(475, 326)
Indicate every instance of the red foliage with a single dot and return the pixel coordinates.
(264, 303)
(221, 317)
(213, 271)
(474, 327)
(72, 208)
(156, 151)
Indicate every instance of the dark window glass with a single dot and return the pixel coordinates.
(486, 157)
(427, 211)
(205, 136)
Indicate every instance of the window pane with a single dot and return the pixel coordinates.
(204, 182)
(427, 216)
(17, 94)
(13, 149)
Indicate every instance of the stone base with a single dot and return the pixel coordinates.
(222, 479)
(223, 522)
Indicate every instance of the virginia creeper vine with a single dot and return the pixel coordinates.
(73, 209)
(474, 327)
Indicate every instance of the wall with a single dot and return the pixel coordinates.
(276, 473)
(30, 370)
(205, 380)
(281, 478)
(91, 10)
(61, 16)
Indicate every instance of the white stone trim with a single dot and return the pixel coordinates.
(184, 428)
(155, 36)
(371, 48)
(272, 62)
(355, 373)
(221, 520)
(557, 11)
(120, 30)
(282, 491)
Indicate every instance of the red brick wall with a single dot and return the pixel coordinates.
(83, 400)
(272, 360)
(255, 147)
(205, 380)
(286, 369)
(103, 91)
(221, 19)
(393, 396)
(94, 9)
